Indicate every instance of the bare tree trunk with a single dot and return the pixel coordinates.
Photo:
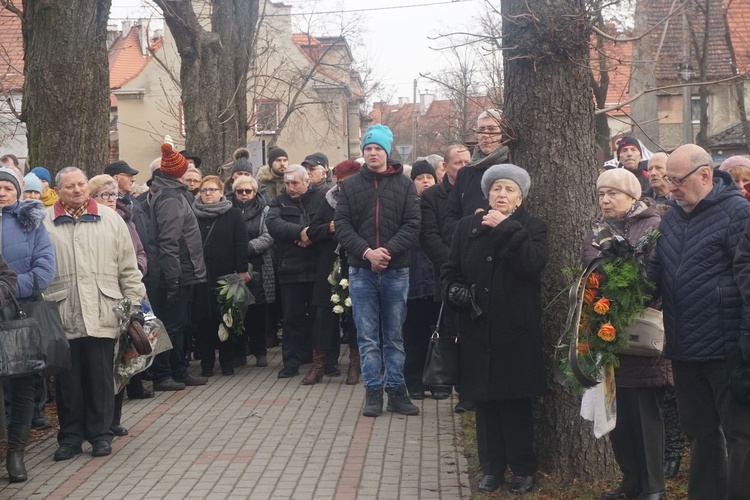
(550, 114)
(66, 83)
(213, 74)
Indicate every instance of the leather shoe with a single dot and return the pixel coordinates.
(168, 384)
(66, 452)
(40, 423)
(101, 449)
(523, 484)
(440, 394)
(620, 492)
(416, 395)
(119, 430)
(144, 394)
(261, 361)
(652, 496)
(192, 380)
(671, 467)
(464, 406)
(288, 372)
(490, 482)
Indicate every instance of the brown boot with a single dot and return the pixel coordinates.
(352, 375)
(316, 372)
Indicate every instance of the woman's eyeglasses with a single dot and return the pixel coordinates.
(244, 191)
(105, 196)
(209, 190)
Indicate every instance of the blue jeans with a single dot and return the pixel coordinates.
(379, 305)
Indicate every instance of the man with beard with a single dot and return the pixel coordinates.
(272, 175)
(466, 196)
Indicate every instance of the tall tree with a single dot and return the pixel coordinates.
(213, 72)
(550, 117)
(66, 82)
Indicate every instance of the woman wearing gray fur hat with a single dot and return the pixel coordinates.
(492, 278)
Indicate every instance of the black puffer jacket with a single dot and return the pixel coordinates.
(378, 209)
(327, 244)
(431, 238)
(287, 217)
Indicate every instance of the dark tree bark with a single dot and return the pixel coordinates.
(66, 83)
(600, 88)
(550, 117)
(213, 74)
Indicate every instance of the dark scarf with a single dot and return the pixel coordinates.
(212, 210)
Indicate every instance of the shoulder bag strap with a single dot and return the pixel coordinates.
(12, 295)
(210, 230)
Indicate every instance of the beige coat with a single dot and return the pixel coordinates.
(96, 268)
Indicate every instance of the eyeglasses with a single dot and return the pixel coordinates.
(192, 181)
(244, 191)
(105, 196)
(209, 190)
(489, 130)
(679, 182)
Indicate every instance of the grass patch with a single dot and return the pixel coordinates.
(548, 486)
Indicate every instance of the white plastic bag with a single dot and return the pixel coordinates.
(599, 404)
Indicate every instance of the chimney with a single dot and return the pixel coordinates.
(143, 37)
(112, 34)
(402, 101)
(126, 28)
(158, 34)
(425, 101)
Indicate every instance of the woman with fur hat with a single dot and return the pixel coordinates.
(27, 248)
(638, 438)
(493, 281)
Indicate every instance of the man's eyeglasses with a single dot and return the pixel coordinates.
(105, 196)
(244, 191)
(209, 190)
(489, 130)
(679, 182)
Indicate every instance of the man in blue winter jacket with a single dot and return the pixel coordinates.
(703, 316)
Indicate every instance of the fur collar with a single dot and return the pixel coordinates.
(332, 196)
(30, 214)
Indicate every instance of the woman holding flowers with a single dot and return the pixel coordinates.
(225, 252)
(638, 438)
(492, 278)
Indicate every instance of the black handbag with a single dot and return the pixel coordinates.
(443, 361)
(55, 344)
(20, 341)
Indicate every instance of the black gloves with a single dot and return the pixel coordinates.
(173, 293)
(459, 296)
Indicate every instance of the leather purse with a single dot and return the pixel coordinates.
(646, 335)
(442, 366)
(21, 351)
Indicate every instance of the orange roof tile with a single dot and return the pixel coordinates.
(11, 52)
(126, 60)
(618, 57)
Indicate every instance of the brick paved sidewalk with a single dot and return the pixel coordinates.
(255, 436)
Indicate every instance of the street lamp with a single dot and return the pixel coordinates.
(414, 114)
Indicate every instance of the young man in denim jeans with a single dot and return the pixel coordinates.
(377, 221)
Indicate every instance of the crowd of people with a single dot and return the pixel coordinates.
(448, 237)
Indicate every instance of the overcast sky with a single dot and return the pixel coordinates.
(394, 38)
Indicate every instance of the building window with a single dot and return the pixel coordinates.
(266, 117)
(695, 109)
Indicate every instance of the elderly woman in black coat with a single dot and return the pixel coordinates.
(492, 278)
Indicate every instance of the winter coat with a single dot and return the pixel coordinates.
(26, 246)
(378, 209)
(259, 249)
(431, 239)
(140, 219)
(7, 275)
(635, 371)
(224, 251)
(95, 269)
(467, 197)
(140, 252)
(273, 183)
(501, 350)
(421, 279)
(692, 267)
(287, 217)
(175, 249)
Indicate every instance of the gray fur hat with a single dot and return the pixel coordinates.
(10, 175)
(506, 171)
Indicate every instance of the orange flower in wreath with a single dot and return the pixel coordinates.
(583, 348)
(601, 306)
(607, 332)
(594, 280)
(588, 296)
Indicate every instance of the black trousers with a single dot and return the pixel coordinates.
(421, 316)
(718, 428)
(86, 392)
(175, 317)
(299, 315)
(638, 438)
(207, 337)
(256, 327)
(505, 437)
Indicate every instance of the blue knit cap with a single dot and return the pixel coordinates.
(380, 135)
(32, 183)
(42, 173)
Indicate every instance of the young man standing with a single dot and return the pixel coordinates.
(377, 222)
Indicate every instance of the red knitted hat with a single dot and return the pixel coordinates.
(173, 164)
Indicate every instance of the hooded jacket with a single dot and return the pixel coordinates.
(692, 268)
(174, 248)
(378, 209)
(26, 246)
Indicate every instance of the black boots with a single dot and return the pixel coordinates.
(374, 401)
(672, 467)
(18, 435)
(398, 401)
